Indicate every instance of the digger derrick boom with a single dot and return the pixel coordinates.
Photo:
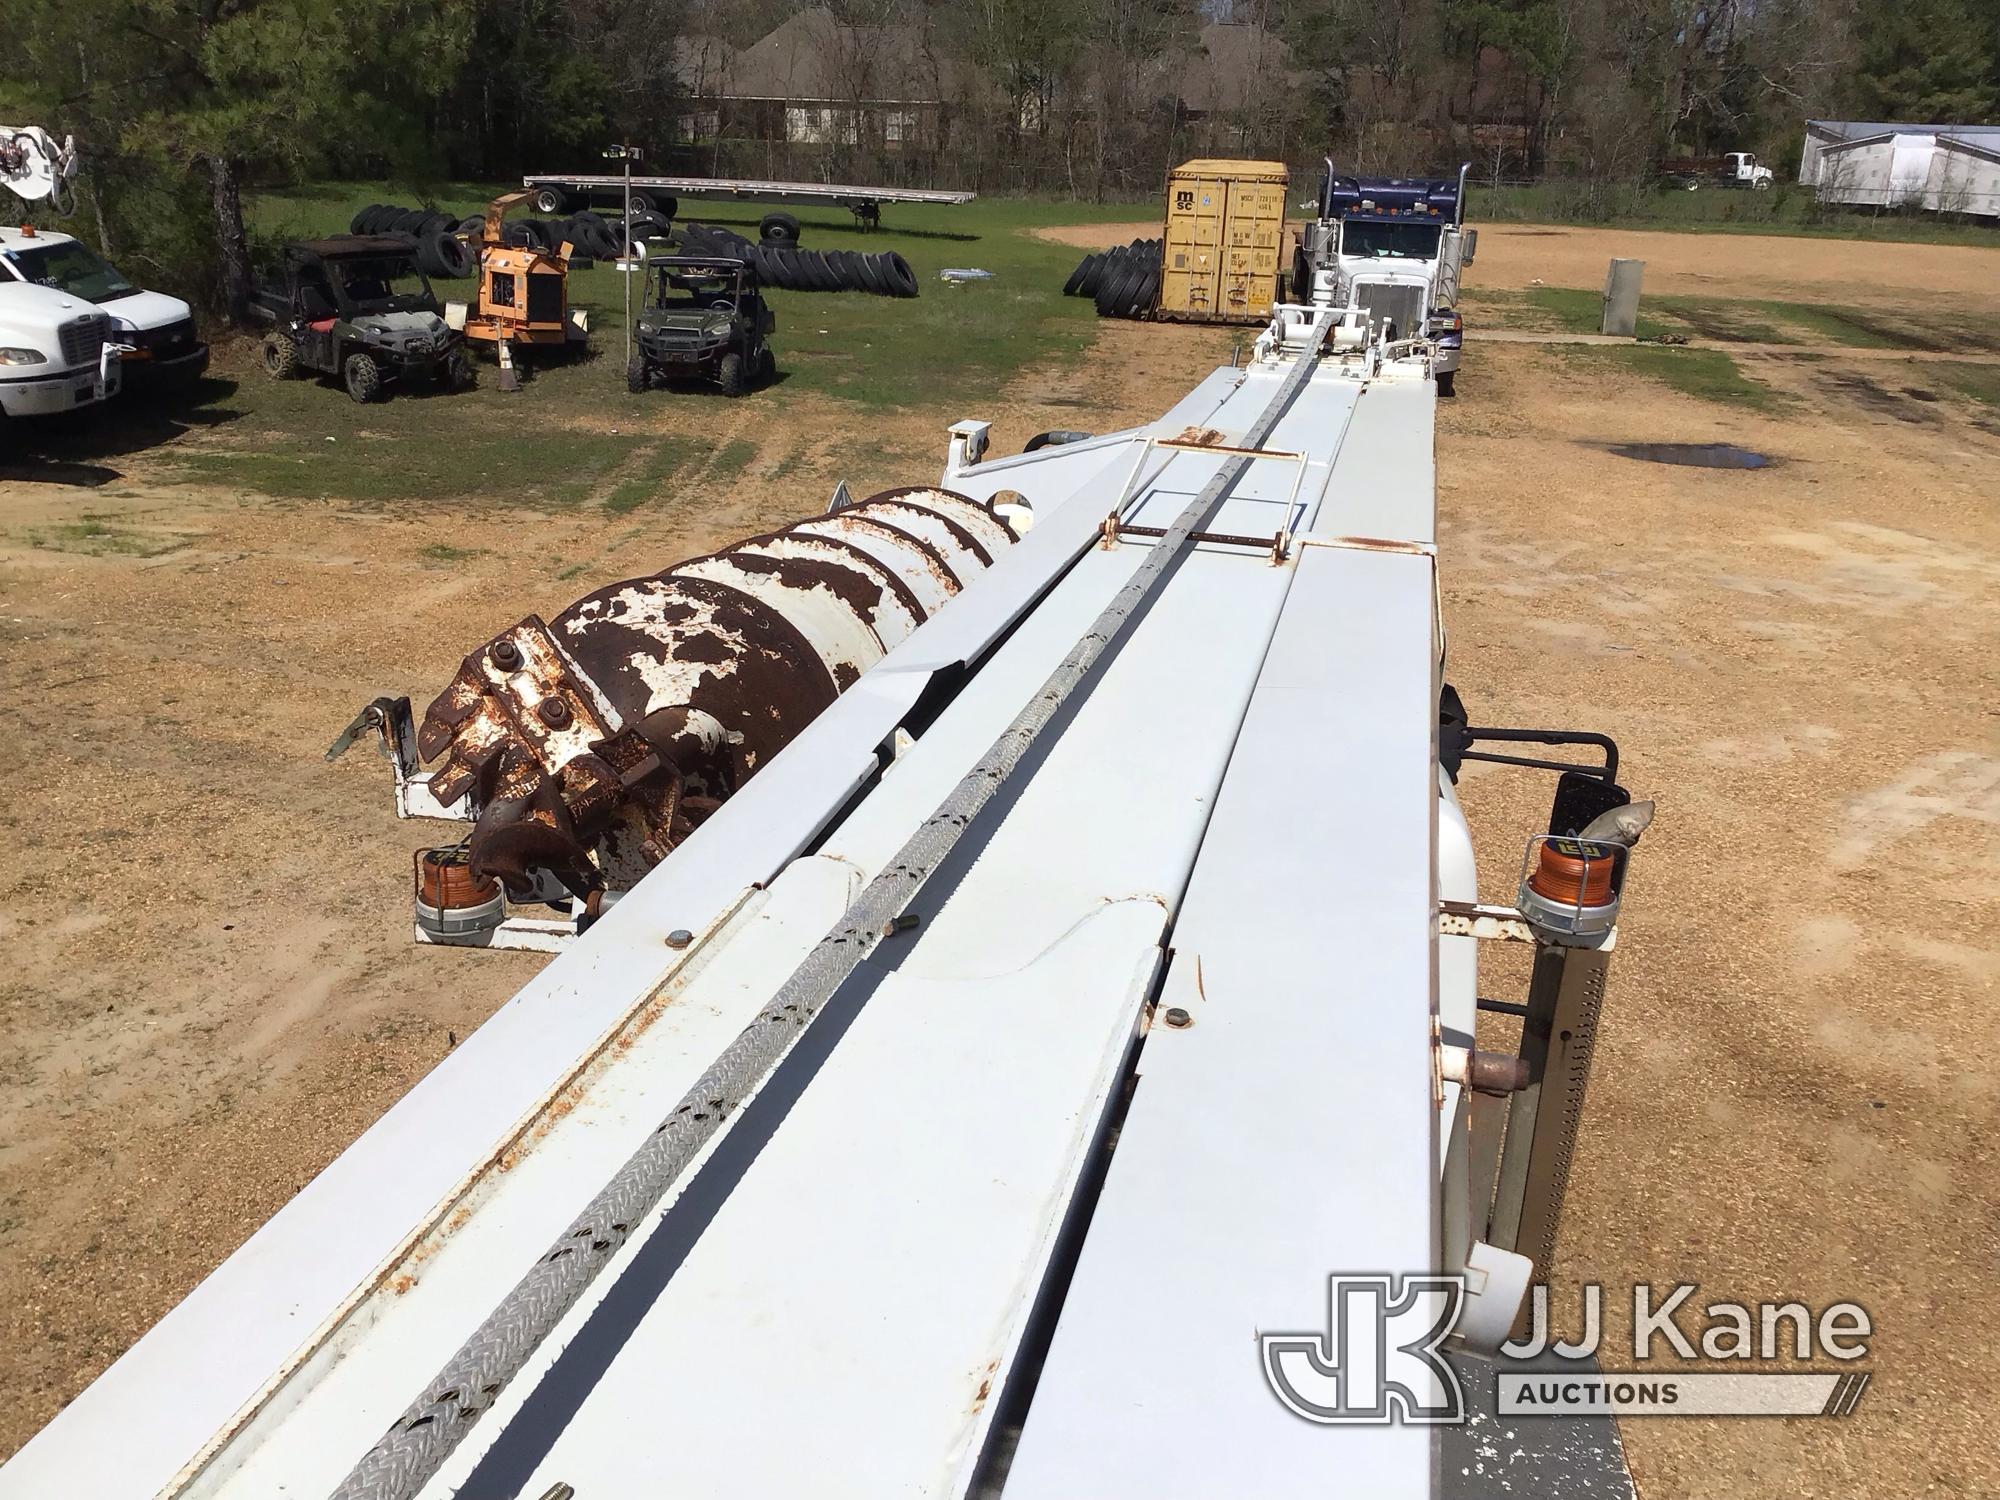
(951, 1125)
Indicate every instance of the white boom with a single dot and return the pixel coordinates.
(949, 1113)
(33, 166)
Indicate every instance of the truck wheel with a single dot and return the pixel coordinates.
(1693, 186)
(363, 377)
(1448, 383)
(778, 229)
(280, 356)
(549, 200)
(458, 373)
(729, 374)
(1762, 184)
(635, 374)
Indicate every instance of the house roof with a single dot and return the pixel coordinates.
(1854, 131)
(1238, 68)
(815, 56)
(704, 65)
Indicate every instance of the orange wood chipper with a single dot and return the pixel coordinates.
(523, 291)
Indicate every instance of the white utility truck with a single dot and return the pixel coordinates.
(56, 350)
(157, 345)
(1394, 249)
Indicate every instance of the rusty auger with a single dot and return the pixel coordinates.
(585, 747)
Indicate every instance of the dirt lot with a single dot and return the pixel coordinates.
(1724, 265)
(210, 988)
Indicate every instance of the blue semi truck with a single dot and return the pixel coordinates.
(1394, 248)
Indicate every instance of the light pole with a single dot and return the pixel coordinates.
(626, 154)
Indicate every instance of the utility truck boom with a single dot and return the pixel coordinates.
(1088, 970)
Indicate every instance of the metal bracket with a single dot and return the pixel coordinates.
(1558, 1041)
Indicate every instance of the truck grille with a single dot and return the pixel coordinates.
(174, 339)
(84, 338)
(1401, 305)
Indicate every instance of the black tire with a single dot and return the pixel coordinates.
(1115, 292)
(813, 272)
(1075, 282)
(729, 374)
(641, 203)
(454, 257)
(458, 373)
(519, 234)
(779, 229)
(1093, 273)
(359, 223)
(589, 216)
(668, 208)
(1146, 295)
(362, 377)
(473, 227)
(1447, 383)
(876, 278)
(280, 356)
(901, 277)
(550, 200)
(767, 366)
(635, 373)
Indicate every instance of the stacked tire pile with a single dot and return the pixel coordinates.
(781, 263)
(591, 236)
(440, 252)
(1125, 280)
(449, 248)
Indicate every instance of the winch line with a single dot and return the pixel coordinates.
(419, 1442)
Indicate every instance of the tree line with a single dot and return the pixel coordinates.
(185, 106)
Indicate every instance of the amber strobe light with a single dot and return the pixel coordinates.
(1573, 873)
(1569, 887)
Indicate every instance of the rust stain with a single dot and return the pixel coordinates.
(592, 743)
(1201, 437)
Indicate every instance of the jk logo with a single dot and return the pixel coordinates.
(1377, 1360)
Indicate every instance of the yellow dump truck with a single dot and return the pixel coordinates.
(1225, 230)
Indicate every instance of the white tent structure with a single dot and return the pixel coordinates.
(1879, 164)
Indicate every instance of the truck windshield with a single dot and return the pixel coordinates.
(1410, 240)
(72, 267)
(387, 285)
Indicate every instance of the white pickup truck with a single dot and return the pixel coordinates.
(153, 335)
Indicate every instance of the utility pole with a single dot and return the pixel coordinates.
(626, 153)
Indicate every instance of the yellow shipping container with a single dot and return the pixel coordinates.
(1225, 224)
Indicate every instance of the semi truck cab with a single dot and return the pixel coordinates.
(1394, 248)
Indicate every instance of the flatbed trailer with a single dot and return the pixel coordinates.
(555, 192)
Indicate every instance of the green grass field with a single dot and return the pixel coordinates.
(574, 435)
(951, 343)
(1705, 374)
